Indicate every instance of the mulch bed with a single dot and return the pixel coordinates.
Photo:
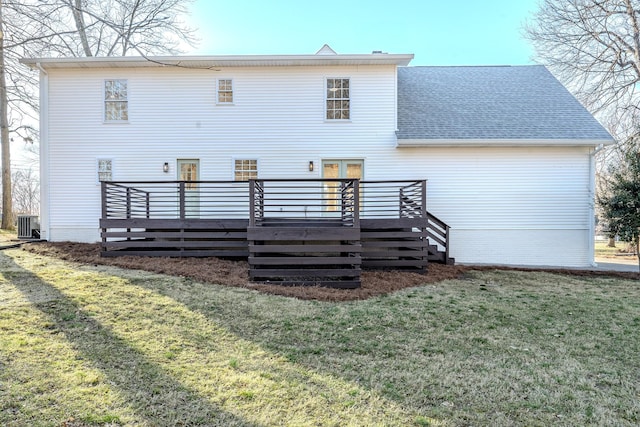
(235, 273)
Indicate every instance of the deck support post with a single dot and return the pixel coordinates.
(252, 203)
(128, 208)
(423, 195)
(103, 231)
(356, 203)
(182, 198)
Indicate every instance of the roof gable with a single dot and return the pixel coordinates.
(489, 103)
(326, 50)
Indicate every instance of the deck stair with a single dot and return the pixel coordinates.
(291, 242)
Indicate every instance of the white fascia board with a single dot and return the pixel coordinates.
(221, 61)
(501, 142)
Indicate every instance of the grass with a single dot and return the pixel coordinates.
(84, 345)
(603, 250)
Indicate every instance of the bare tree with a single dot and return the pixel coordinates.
(118, 27)
(593, 47)
(72, 28)
(26, 190)
(7, 210)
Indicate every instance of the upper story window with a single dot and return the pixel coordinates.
(338, 103)
(245, 169)
(225, 91)
(116, 104)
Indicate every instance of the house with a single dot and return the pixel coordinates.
(507, 152)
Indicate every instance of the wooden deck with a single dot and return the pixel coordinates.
(309, 232)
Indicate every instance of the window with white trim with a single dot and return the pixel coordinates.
(105, 169)
(116, 103)
(245, 169)
(225, 91)
(338, 103)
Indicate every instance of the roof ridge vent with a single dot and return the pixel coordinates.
(326, 50)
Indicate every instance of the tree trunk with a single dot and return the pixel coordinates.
(82, 33)
(7, 205)
(612, 242)
(638, 252)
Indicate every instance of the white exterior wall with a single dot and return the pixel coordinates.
(509, 205)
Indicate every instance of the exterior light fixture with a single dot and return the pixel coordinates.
(311, 166)
(165, 167)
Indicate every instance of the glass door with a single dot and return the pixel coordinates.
(338, 169)
(189, 170)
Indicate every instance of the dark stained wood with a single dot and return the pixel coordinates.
(179, 253)
(386, 223)
(304, 260)
(276, 254)
(384, 263)
(199, 234)
(303, 233)
(436, 238)
(392, 234)
(193, 224)
(186, 244)
(401, 252)
(305, 248)
(317, 273)
(418, 244)
(292, 248)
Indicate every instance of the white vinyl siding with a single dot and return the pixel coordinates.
(278, 118)
(508, 205)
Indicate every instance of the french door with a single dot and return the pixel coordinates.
(189, 170)
(352, 169)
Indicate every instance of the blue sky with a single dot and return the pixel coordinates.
(443, 32)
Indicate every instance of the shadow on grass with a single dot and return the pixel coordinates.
(154, 395)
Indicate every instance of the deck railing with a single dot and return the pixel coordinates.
(438, 233)
(386, 220)
(124, 202)
(275, 201)
(175, 199)
(343, 200)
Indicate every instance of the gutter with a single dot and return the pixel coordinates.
(512, 142)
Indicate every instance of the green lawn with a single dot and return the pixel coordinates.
(103, 346)
(603, 250)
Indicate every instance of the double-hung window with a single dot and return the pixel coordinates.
(225, 91)
(338, 103)
(116, 103)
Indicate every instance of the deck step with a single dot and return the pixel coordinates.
(288, 253)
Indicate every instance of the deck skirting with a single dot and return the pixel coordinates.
(327, 256)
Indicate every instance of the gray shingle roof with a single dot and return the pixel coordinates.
(522, 102)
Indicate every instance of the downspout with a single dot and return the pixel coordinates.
(592, 205)
(45, 211)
